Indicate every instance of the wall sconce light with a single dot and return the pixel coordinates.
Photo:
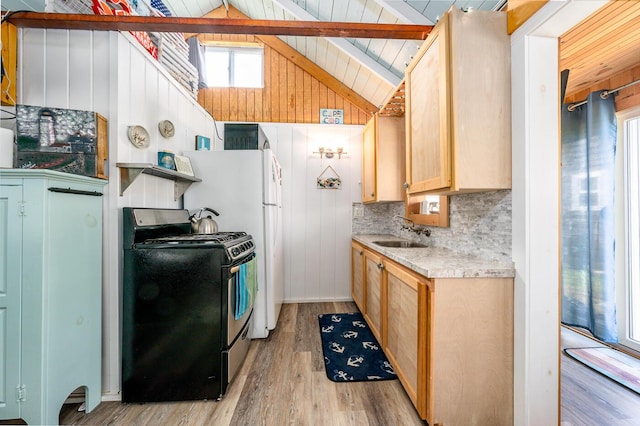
(329, 153)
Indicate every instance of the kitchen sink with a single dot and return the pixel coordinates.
(399, 244)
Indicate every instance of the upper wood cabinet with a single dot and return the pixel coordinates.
(458, 106)
(383, 159)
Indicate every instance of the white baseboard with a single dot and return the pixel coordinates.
(77, 397)
(111, 397)
(333, 299)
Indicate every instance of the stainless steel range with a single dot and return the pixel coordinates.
(186, 304)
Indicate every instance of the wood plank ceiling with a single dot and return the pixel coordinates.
(603, 50)
(599, 51)
(373, 68)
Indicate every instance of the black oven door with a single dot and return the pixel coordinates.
(172, 324)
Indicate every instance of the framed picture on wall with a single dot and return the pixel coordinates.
(183, 165)
(203, 143)
(166, 160)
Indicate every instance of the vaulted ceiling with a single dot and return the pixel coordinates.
(370, 67)
(373, 68)
(604, 45)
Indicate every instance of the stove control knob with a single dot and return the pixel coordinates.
(235, 251)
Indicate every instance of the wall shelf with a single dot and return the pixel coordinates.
(130, 171)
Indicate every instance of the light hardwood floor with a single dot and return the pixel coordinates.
(589, 398)
(282, 382)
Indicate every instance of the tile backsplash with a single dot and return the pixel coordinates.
(480, 224)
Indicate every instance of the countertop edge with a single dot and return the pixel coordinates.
(437, 262)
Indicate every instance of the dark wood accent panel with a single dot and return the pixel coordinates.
(9, 62)
(70, 21)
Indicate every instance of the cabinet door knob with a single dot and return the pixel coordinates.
(372, 194)
(406, 185)
(380, 266)
(360, 252)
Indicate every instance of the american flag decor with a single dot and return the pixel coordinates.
(160, 7)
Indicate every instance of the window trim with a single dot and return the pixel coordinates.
(623, 267)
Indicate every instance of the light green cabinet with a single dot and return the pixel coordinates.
(50, 292)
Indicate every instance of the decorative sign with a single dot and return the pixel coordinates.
(329, 179)
(331, 116)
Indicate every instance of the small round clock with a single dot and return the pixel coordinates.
(139, 137)
(166, 128)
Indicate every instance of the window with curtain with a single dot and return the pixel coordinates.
(588, 141)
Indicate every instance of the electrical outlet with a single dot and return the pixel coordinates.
(358, 210)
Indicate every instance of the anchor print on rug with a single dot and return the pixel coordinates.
(351, 351)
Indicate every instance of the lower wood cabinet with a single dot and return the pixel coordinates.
(357, 275)
(405, 343)
(373, 290)
(470, 351)
(450, 340)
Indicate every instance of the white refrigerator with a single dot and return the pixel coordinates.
(245, 187)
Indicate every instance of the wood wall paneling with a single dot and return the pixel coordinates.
(110, 74)
(9, 63)
(294, 89)
(518, 11)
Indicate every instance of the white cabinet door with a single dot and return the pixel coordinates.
(10, 283)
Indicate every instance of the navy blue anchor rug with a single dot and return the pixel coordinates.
(351, 351)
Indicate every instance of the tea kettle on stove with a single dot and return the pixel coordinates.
(202, 221)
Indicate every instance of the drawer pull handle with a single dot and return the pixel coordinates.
(75, 191)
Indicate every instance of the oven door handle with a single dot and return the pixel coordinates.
(236, 268)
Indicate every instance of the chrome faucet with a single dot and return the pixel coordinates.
(413, 228)
(406, 227)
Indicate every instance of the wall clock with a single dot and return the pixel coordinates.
(166, 128)
(139, 137)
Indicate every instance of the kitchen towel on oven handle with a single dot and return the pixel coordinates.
(246, 286)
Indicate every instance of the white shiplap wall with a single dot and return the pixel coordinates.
(107, 73)
(317, 222)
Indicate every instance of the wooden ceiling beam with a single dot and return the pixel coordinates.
(218, 26)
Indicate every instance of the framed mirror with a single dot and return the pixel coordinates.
(431, 210)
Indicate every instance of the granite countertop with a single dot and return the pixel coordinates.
(438, 262)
